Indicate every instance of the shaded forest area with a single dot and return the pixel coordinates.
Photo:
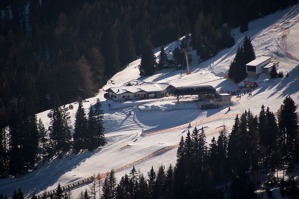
(54, 52)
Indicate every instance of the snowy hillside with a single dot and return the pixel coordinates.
(150, 135)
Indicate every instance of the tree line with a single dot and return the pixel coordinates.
(27, 143)
(54, 52)
(231, 166)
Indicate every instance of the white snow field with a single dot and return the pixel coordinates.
(150, 135)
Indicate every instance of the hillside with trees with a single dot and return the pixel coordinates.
(55, 52)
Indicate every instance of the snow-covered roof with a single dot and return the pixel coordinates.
(258, 61)
(270, 65)
(146, 87)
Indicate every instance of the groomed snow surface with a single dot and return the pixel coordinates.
(150, 135)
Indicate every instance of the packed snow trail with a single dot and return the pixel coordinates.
(88, 180)
(193, 124)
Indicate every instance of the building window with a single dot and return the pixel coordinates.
(251, 68)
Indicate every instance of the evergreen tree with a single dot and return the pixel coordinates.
(237, 70)
(44, 143)
(59, 193)
(4, 161)
(31, 141)
(80, 140)
(95, 127)
(34, 13)
(245, 54)
(273, 73)
(60, 130)
(23, 141)
(163, 60)
(169, 183)
(110, 51)
(143, 191)
(127, 52)
(122, 190)
(218, 158)
(133, 183)
(109, 186)
(151, 181)
(148, 62)
(248, 50)
(159, 188)
(179, 172)
(287, 122)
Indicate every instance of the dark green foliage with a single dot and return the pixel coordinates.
(273, 73)
(217, 158)
(163, 60)
(18, 194)
(245, 54)
(3, 197)
(287, 122)
(289, 188)
(23, 143)
(4, 159)
(248, 51)
(243, 156)
(127, 52)
(148, 60)
(95, 127)
(80, 138)
(208, 37)
(59, 193)
(109, 186)
(44, 142)
(111, 52)
(269, 136)
(60, 130)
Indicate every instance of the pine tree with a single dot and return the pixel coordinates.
(143, 191)
(23, 141)
(273, 73)
(44, 143)
(163, 60)
(169, 183)
(110, 51)
(151, 181)
(60, 130)
(80, 138)
(244, 54)
(159, 187)
(248, 50)
(127, 52)
(237, 70)
(133, 183)
(31, 141)
(148, 62)
(95, 127)
(109, 186)
(4, 161)
(59, 193)
(179, 172)
(287, 122)
(122, 188)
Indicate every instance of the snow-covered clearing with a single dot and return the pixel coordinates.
(150, 135)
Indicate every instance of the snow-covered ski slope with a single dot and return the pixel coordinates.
(150, 135)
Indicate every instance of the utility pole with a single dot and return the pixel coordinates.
(186, 50)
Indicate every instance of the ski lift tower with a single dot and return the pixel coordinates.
(186, 50)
